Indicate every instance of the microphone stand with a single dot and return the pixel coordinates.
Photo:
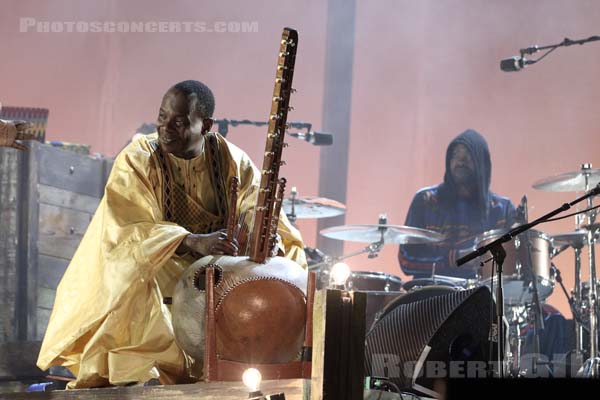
(565, 43)
(292, 215)
(498, 253)
(223, 124)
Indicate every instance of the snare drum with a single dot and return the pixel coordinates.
(367, 281)
(518, 289)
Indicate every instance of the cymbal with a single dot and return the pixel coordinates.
(396, 234)
(575, 239)
(569, 182)
(313, 207)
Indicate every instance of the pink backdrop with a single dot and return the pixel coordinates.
(423, 72)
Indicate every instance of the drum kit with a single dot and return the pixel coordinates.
(527, 255)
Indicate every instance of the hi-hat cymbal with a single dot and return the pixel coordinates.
(389, 233)
(569, 182)
(312, 207)
(575, 239)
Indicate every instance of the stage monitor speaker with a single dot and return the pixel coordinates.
(428, 335)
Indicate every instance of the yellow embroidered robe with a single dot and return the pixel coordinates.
(109, 325)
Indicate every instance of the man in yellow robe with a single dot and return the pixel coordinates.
(165, 204)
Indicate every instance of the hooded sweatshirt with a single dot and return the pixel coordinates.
(439, 208)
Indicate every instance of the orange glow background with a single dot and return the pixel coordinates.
(423, 72)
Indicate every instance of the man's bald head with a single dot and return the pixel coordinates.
(205, 101)
(184, 117)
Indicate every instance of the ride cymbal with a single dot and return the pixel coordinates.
(570, 181)
(312, 207)
(396, 234)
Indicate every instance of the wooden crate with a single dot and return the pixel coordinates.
(47, 199)
(9, 216)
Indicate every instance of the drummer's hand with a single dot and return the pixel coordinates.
(11, 131)
(215, 243)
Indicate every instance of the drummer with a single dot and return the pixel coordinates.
(461, 207)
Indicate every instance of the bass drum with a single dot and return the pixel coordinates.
(260, 309)
(417, 294)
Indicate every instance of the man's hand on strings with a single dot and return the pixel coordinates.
(11, 131)
(241, 235)
(212, 244)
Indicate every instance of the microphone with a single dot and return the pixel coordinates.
(316, 138)
(514, 64)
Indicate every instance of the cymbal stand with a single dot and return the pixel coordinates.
(575, 310)
(372, 250)
(292, 215)
(591, 367)
(576, 305)
(577, 300)
(538, 320)
(515, 340)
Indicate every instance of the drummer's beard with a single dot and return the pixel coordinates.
(465, 182)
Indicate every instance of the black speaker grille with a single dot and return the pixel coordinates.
(403, 332)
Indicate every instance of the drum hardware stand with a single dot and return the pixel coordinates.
(591, 367)
(516, 344)
(292, 215)
(538, 322)
(556, 252)
(572, 304)
(372, 250)
(576, 297)
(498, 253)
(575, 301)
